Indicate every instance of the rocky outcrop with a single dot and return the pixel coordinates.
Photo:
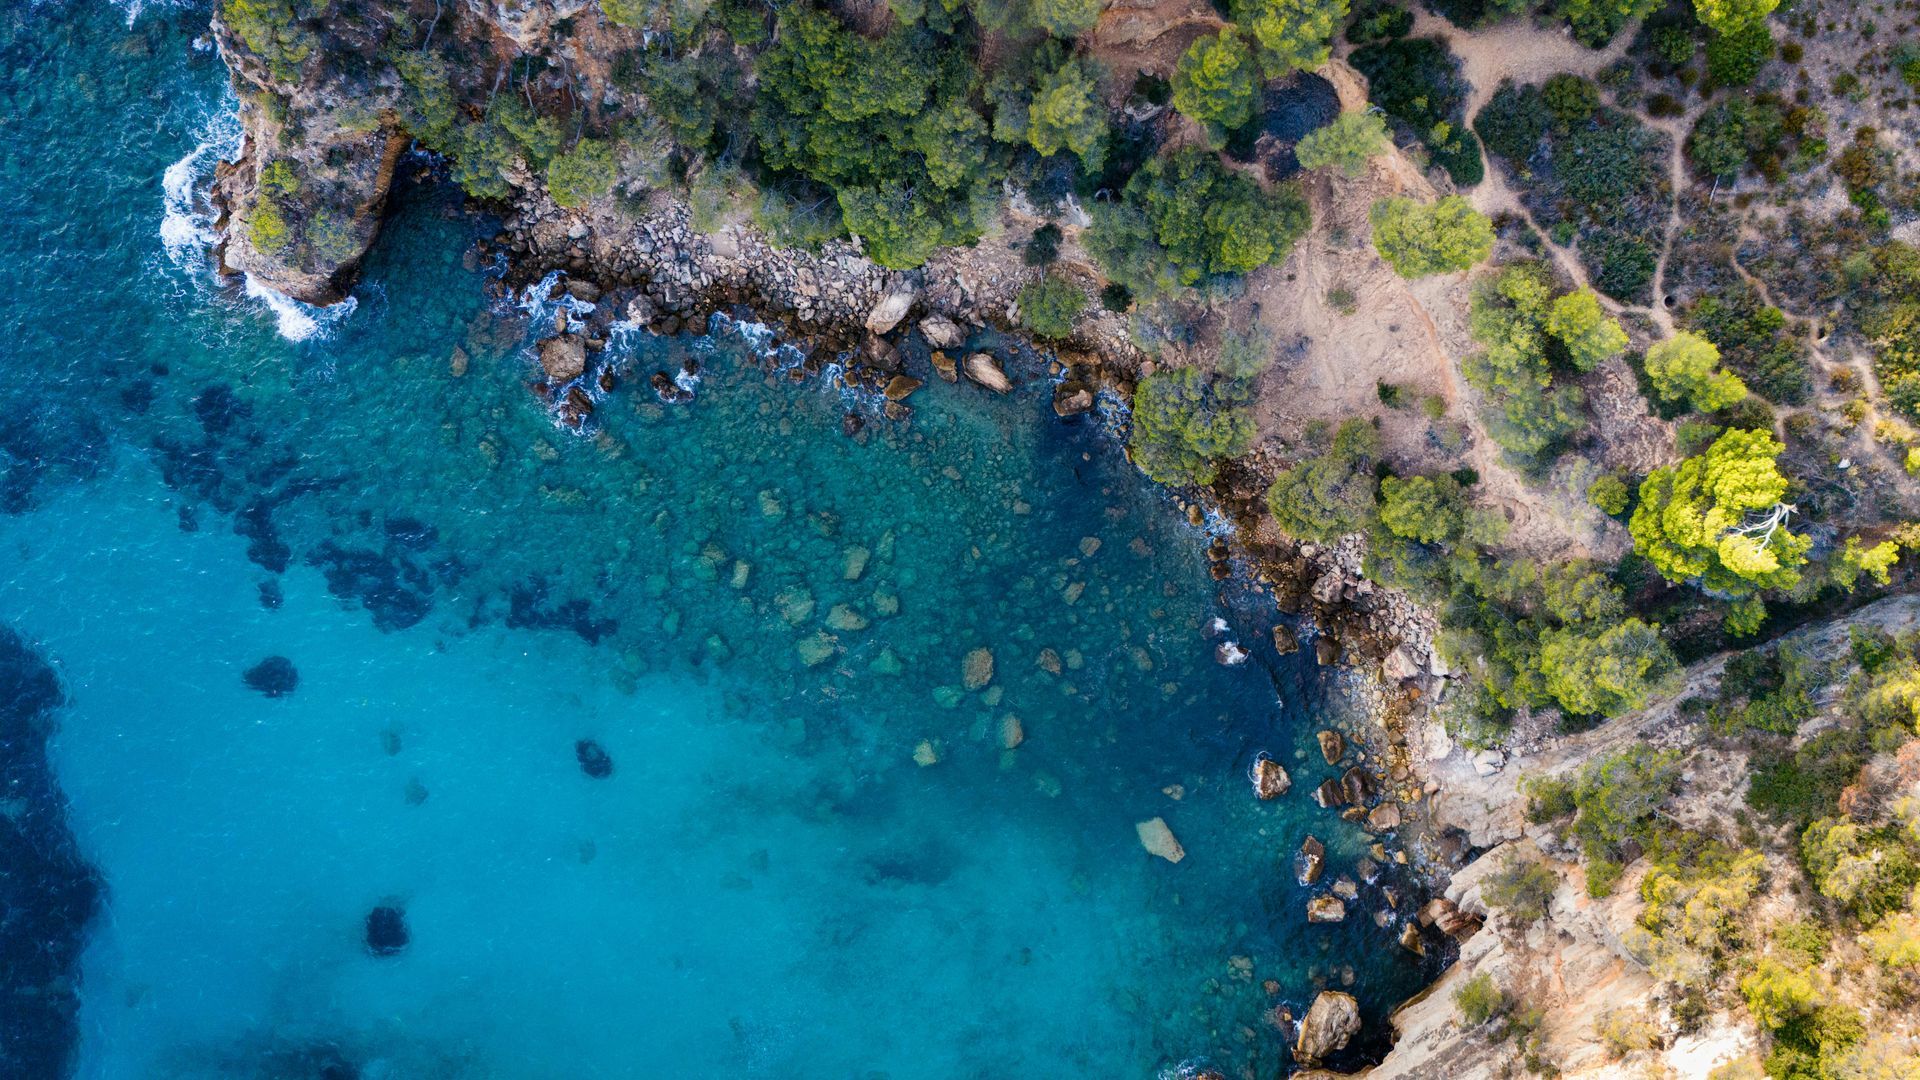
(1331, 1022)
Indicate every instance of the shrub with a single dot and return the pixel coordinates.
(1290, 34)
(1048, 306)
(1522, 888)
(1346, 144)
(1610, 494)
(1589, 335)
(1513, 122)
(1330, 494)
(1733, 59)
(1778, 995)
(1245, 354)
(1425, 508)
(1624, 264)
(1043, 247)
(1214, 83)
(1479, 1000)
(1686, 367)
(582, 174)
(1417, 82)
(1184, 423)
(1625, 1030)
(1419, 239)
(1208, 220)
(1571, 99)
(1595, 22)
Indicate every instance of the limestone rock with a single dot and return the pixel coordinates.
(1331, 1022)
(977, 668)
(1071, 398)
(942, 332)
(985, 370)
(1401, 664)
(891, 307)
(1326, 909)
(1411, 940)
(1270, 780)
(1310, 861)
(1488, 762)
(1159, 840)
(564, 358)
(1326, 651)
(1333, 746)
(1384, 817)
(1329, 794)
(1358, 785)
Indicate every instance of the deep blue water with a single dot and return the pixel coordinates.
(767, 883)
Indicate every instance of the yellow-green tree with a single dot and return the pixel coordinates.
(1686, 367)
(1732, 16)
(1589, 335)
(1214, 82)
(1291, 34)
(1418, 239)
(1718, 518)
(1347, 143)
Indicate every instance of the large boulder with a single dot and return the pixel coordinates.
(1270, 780)
(1311, 860)
(564, 358)
(1333, 746)
(1331, 1022)
(1071, 398)
(1326, 909)
(942, 332)
(985, 370)
(891, 307)
(1159, 840)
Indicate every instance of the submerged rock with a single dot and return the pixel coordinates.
(1012, 732)
(977, 668)
(1331, 1022)
(900, 387)
(944, 366)
(275, 676)
(387, 930)
(594, 760)
(1285, 641)
(1071, 398)
(1159, 840)
(1270, 780)
(564, 358)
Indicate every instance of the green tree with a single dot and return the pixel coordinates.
(1347, 143)
(1183, 424)
(1331, 494)
(1589, 335)
(1418, 239)
(582, 174)
(1608, 673)
(1729, 16)
(1066, 114)
(1214, 83)
(1856, 559)
(1048, 306)
(1895, 942)
(1718, 518)
(1777, 995)
(1424, 508)
(1291, 34)
(1066, 18)
(1595, 22)
(1610, 494)
(1479, 1000)
(1211, 221)
(1686, 367)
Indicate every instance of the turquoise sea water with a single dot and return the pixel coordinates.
(768, 883)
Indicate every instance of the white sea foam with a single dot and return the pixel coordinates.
(186, 224)
(297, 321)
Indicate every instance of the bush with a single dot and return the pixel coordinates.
(582, 174)
(1425, 508)
(1513, 122)
(1610, 494)
(1623, 1031)
(1734, 59)
(1204, 219)
(1419, 239)
(1048, 306)
(1624, 265)
(1417, 82)
(1753, 339)
(1184, 423)
(1522, 888)
(1330, 494)
(1214, 83)
(1686, 367)
(1346, 144)
(1479, 1000)
(1291, 34)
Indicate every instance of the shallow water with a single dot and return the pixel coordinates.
(768, 883)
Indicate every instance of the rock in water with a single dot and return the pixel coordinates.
(977, 669)
(386, 930)
(594, 760)
(564, 358)
(1071, 398)
(1270, 780)
(942, 332)
(1333, 746)
(275, 676)
(1332, 1021)
(1159, 840)
(1310, 861)
(984, 370)
(1326, 909)
(1285, 641)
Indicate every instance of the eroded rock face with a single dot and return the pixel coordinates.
(1331, 1022)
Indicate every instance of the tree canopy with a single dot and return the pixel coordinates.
(1348, 143)
(1418, 239)
(1686, 367)
(1718, 518)
(1214, 82)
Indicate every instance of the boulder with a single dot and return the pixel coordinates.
(1358, 785)
(1330, 794)
(977, 669)
(891, 307)
(1346, 889)
(1229, 654)
(900, 386)
(1488, 762)
(1401, 664)
(944, 365)
(1326, 651)
(1331, 1022)
(593, 758)
(386, 930)
(1285, 641)
(1411, 940)
(1384, 817)
(564, 358)
(1326, 909)
(985, 370)
(1270, 780)
(1071, 398)
(1159, 840)
(942, 332)
(275, 677)
(1309, 861)
(1333, 746)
